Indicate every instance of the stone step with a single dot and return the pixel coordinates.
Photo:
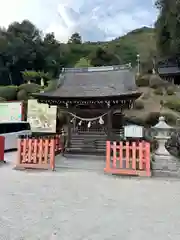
(88, 144)
(86, 156)
(80, 141)
(89, 137)
(78, 147)
(80, 151)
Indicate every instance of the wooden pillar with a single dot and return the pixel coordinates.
(68, 131)
(109, 124)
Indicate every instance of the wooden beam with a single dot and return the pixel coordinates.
(109, 123)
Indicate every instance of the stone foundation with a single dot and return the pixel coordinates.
(166, 166)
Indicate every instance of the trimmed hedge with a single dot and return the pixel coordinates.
(142, 81)
(170, 91)
(153, 118)
(30, 88)
(155, 81)
(8, 93)
(138, 104)
(158, 91)
(52, 85)
(22, 95)
(173, 104)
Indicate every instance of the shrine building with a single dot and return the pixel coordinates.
(93, 99)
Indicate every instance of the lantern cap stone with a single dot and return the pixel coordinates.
(162, 124)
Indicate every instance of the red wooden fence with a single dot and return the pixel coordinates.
(128, 159)
(38, 153)
(58, 144)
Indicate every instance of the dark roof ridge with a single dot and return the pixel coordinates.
(97, 69)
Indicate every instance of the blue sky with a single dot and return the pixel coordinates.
(94, 19)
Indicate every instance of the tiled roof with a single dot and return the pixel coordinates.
(168, 70)
(95, 82)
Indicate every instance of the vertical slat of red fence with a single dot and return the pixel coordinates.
(108, 157)
(134, 155)
(141, 156)
(121, 154)
(114, 154)
(29, 143)
(35, 150)
(127, 154)
(46, 151)
(56, 143)
(52, 154)
(144, 154)
(148, 165)
(59, 143)
(40, 146)
(24, 147)
(19, 154)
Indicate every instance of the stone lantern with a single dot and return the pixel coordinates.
(163, 131)
(163, 162)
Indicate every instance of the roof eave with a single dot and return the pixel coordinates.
(46, 96)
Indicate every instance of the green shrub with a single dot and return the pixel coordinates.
(52, 85)
(170, 118)
(142, 81)
(158, 91)
(22, 95)
(173, 104)
(138, 104)
(30, 88)
(155, 81)
(170, 91)
(173, 144)
(153, 118)
(8, 93)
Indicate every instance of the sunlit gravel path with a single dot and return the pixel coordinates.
(87, 205)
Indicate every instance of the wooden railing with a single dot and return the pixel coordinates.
(58, 144)
(38, 151)
(128, 158)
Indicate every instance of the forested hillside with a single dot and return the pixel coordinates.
(23, 47)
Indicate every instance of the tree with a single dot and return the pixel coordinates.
(29, 76)
(168, 27)
(22, 47)
(75, 39)
(83, 62)
(52, 54)
(103, 57)
(27, 55)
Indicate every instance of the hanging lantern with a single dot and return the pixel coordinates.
(101, 121)
(80, 123)
(89, 124)
(72, 120)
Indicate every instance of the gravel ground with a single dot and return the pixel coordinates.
(86, 205)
